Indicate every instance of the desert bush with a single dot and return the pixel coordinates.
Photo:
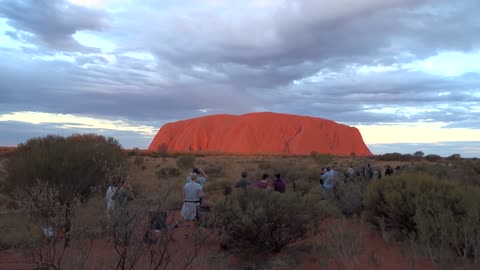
(163, 151)
(14, 231)
(60, 172)
(268, 221)
(322, 159)
(74, 165)
(463, 171)
(186, 161)
(395, 157)
(341, 241)
(432, 157)
(139, 160)
(216, 170)
(295, 172)
(442, 216)
(264, 165)
(167, 172)
(143, 235)
(348, 197)
(454, 157)
(418, 155)
(218, 185)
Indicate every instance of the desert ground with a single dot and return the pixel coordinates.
(344, 238)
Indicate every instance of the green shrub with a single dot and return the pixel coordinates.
(268, 221)
(442, 216)
(462, 171)
(74, 165)
(186, 161)
(168, 172)
(348, 197)
(393, 200)
(49, 176)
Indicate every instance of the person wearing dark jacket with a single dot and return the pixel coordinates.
(278, 184)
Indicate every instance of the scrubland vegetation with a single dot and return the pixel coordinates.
(53, 209)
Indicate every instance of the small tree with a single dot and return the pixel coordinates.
(418, 155)
(454, 157)
(71, 167)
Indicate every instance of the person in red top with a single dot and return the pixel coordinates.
(263, 184)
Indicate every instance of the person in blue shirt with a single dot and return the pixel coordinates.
(328, 179)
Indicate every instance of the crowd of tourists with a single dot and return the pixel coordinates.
(120, 192)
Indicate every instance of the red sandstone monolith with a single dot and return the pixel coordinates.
(260, 133)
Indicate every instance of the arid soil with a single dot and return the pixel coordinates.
(376, 254)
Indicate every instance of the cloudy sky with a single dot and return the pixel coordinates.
(405, 72)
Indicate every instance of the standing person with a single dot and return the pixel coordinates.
(329, 182)
(192, 192)
(263, 184)
(278, 184)
(201, 178)
(111, 191)
(350, 171)
(243, 182)
(123, 218)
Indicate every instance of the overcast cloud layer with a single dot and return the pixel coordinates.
(371, 62)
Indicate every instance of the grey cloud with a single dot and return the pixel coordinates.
(52, 22)
(350, 99)
(303, 37)
(308, 30)
(59, 86)
(244, 63)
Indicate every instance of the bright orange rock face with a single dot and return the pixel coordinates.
(260, 133)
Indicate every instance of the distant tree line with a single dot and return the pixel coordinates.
(418, 155)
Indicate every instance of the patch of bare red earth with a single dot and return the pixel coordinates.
(103, 255)
(389, 256)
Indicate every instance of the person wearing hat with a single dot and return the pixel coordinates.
(243, 182)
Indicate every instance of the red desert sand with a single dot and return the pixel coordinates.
(102, 255)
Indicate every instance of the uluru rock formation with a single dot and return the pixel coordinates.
(260, 133)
